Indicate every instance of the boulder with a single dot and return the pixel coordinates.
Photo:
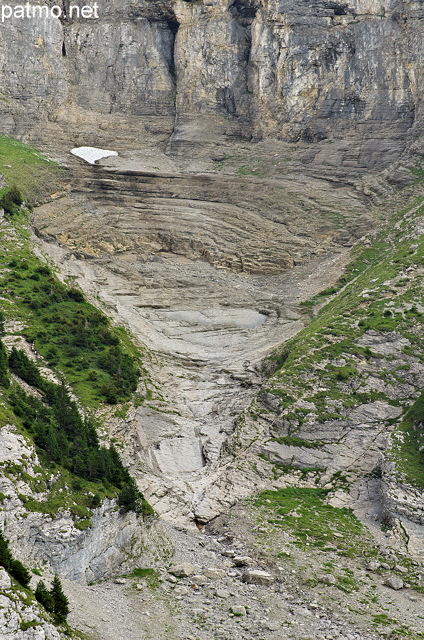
(214, 573)
(199, 580)
(401, 569)
(228, 553)
(238, 610)
(172, 579)
(255, 576)
(243, 561)
(183, 570)
(394, 583)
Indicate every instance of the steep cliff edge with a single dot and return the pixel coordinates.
(194, 75)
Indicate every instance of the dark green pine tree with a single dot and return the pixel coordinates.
(129, 497)
(4, 367)
(44, 597)
(5, 555)
(60, 601)
(18, 571)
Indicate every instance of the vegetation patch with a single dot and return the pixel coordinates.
(36, 176)
(16, 569)
(150, 576)
(293, 441)
(66, 438)
(53, 600)
(323, 363)
(306, 515)
(68, 331)
(408, 444)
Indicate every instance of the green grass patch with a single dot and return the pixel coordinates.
(305, 513)
(66, 492)
(245, 170)
(149, 575)
(30, 624)
(36, 176)
(293, 441)
(383, 619)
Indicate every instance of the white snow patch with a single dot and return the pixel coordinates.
(92, 154)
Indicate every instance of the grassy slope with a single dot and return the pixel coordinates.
(36, 176)
(70, 333)
(380, 295)
(325, 365)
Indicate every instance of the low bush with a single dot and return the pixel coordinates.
(11, 201)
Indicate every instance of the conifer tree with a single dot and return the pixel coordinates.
(44, 597)
(60, 601)
(5, 555)
(18, 571)
(11, 200)
(4, 368)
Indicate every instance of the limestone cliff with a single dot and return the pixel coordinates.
(194, 72)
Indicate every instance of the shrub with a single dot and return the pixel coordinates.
(129, 497)
(25, 368)
(11, 200)
(95, 501)
(5, 555)
(4, 370)
(16, 569)
(76, 294)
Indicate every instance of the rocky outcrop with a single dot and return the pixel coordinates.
(403, 506)
(196, 73)
(19, 621)
(260, 231)
(112, 541)
(111, 544)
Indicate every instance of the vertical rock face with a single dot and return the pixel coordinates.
(300, 70)
(200, 70)
(113, 541)
(33, 81)
(323, 65)
(123, 63)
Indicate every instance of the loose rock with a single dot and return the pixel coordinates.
(394, 583)
(243, 561)
(183, 570)
(255, 576)
(238, 610)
